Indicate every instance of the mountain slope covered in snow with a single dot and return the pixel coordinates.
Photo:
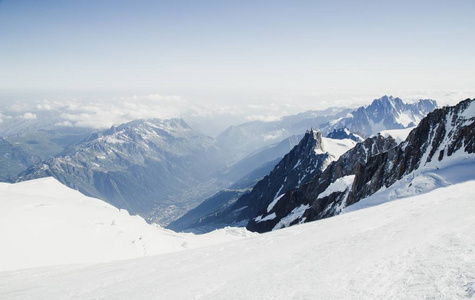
(43, 222)
(415, 248)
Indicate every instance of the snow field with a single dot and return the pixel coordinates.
(45, 223)
(420, 247)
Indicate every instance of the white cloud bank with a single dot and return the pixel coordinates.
(29, 116)
(208, 116)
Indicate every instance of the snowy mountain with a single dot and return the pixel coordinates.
(43, 222)
(446, 137)
(156, 168)
(313, 154)
(384, 113)
(419, 247)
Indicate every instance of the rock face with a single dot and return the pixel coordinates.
(371, 165)
(142, 166)
(309, 157)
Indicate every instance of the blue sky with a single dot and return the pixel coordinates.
(224, 48)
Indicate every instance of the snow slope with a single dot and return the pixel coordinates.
(457, 168)
(420, 247)
(398, 134)
(337, 147)
(43, 222)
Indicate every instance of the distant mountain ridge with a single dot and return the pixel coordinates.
(385, 113)
(162, 168)
(143, 166)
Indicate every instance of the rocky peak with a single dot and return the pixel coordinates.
(311, 143)
(384, 106)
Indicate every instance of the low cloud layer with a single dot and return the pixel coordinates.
(208, 117)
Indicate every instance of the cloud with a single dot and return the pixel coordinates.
(29, 116)
(105, 113)
(44, 106)
(64, 123)
(277, 134)
(19, 107)
(207, 116)
(264, 118)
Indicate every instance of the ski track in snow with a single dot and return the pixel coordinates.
(420, 247)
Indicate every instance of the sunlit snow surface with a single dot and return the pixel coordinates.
(337, 147)
(420, 247)
(45, 223)
(398, 134)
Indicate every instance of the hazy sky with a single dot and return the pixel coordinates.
(252, 52)
(236, 45)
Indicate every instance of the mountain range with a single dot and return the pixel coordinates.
(385, 113)
(388, 215)
(161, 169)
(143, 166)
(444, 135)
(300, 165)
